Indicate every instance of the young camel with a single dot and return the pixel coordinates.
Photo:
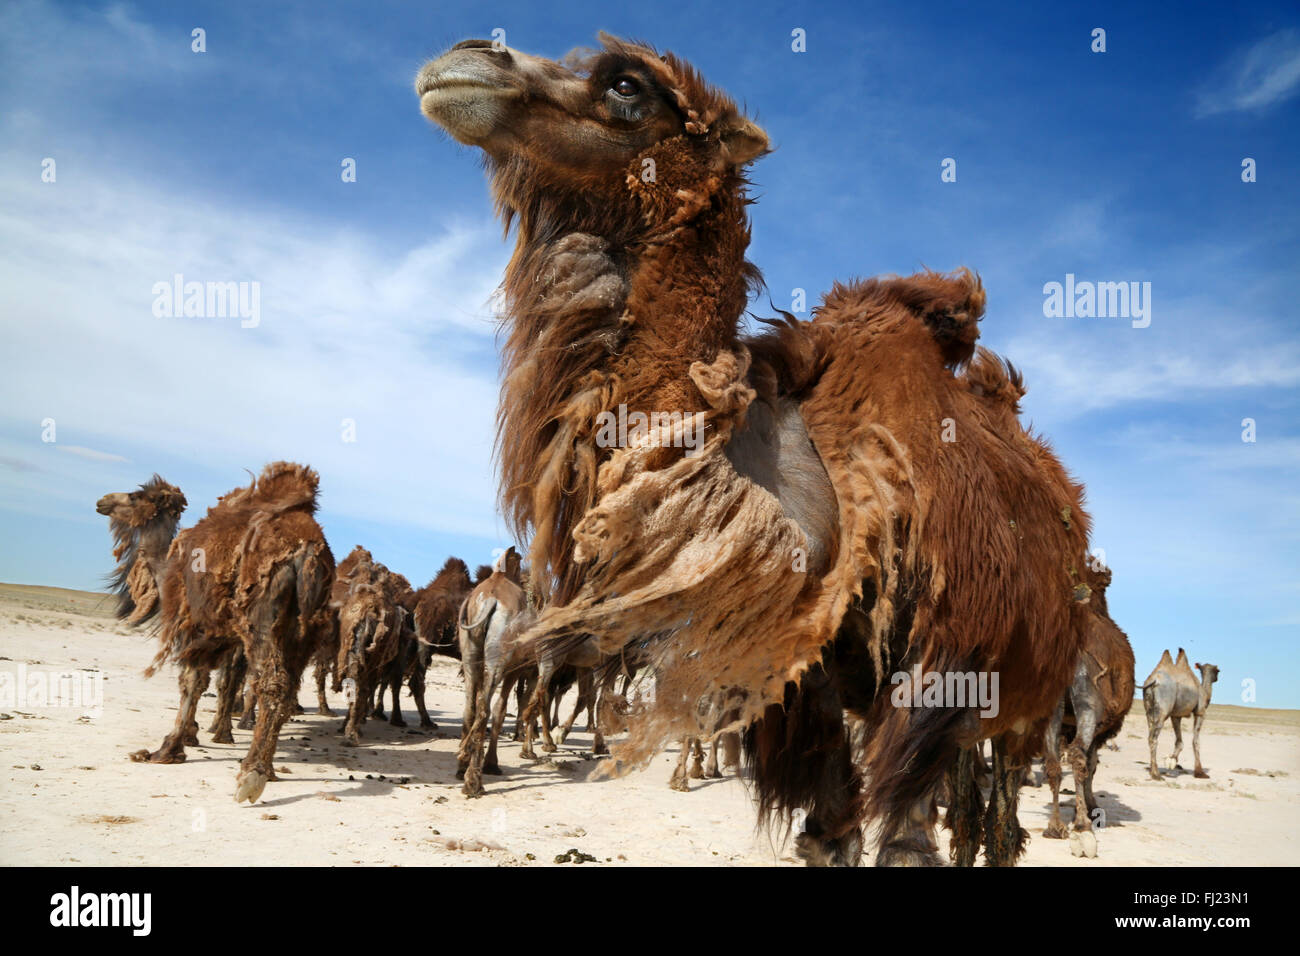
(255, 573)
(781, 515)
(1172, 693)
(1091, 713)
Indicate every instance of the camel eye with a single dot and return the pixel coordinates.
(625, 87)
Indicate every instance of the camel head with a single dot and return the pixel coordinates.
(1209, 673)
(154, 500)
(143, 523)
(509, 563)
(609, 136)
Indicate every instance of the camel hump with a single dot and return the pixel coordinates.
(949, 304)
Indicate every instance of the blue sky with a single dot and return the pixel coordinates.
(377, 295)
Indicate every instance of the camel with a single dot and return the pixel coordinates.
(254, 573)
(486, 624)
(143, 523)
(371, 619)
(1091, 712)
(779, 514)
(1172, 693)
(439, 601)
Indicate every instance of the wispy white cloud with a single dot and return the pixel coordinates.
(90, 453)
(399, 344)
(1260, 76)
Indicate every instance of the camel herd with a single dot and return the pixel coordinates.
(792, 521)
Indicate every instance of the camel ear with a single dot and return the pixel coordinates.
(743, 141)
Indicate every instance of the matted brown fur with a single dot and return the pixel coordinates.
(255, 570)
(961, 555)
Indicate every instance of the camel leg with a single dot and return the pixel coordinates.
(1196, 744)
(417, 692)
(1092, 775)
(498, 690)
(1052, 772)
(474, 742)
(1153, 738)
(678, 781)
(524, 690)
(473, 668)
(322, 704)
(357, 709)
(965, 808)
(521, 701)
(711, 770)
(249, 717)
(1004, 840)
(277, 689)
(1178, 743)
(193, 682)
(585, 696)
(697, 765)
(1086, 730)
(229, 684)
(395, 686)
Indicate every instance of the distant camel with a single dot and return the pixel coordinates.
(1172, 693)
(1092, 711)
(367, 597)
(256, 573)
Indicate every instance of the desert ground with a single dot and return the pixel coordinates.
(71, 796)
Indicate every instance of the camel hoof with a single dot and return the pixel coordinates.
(528, 753)
(250, 785)
(697, 773)
(714, 774)
(1056, 831)
(1201, 775)
(560, 737)
(473, 787)
(1083, 844)
(223, 737)
(245, 723)
(549, 748)
(190, 740)
(324, 711)
(601, 751)
(351, 741)
(495, 770)
(681, 786)
(397, 722)
(427, 724)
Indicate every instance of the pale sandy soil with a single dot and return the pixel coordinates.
(395, 801)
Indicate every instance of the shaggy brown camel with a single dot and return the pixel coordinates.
(254, 572)
(143, 523)
(1091, 713)
(491, 663)
(783, 515)
(409, 664)
(368, 600)
(1172, 693)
